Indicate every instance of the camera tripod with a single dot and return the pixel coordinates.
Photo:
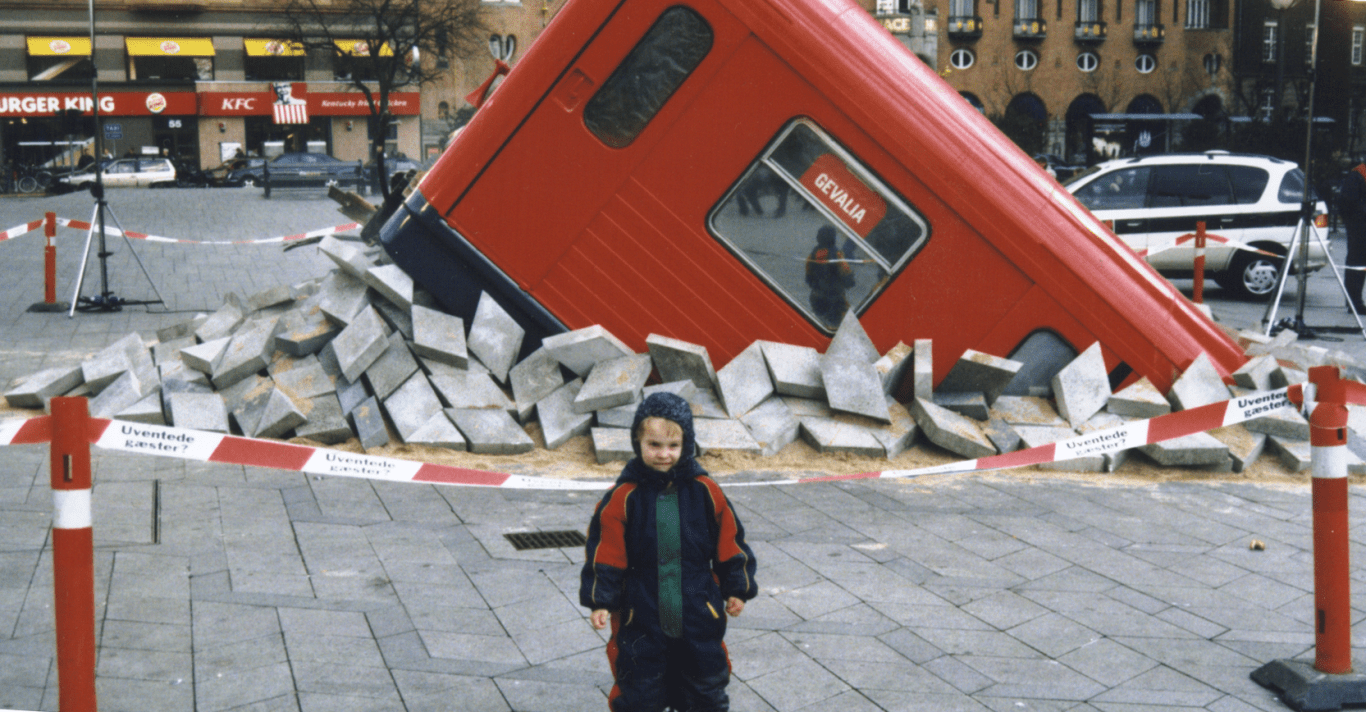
(1297, 325)
(106, 301)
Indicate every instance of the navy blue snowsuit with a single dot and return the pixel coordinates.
(665, 577)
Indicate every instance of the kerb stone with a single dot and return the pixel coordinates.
(1082, 387)
(978, 372)
(412, 405)
(852, 342)
(38, 388)
(392, 283)
(580, 350)
(612, 445)
(678, 360)
(795, 370)
(854, 387)
(490, 432)
(744, 382)
(1200, 385)
(392, 369)
(559, 419)
(359, 344)
(613, 382)
(951, 431)
(199, 411)
(495, 337)
(1139, 400)
(724, 436)
(440, 432)
(439, 336)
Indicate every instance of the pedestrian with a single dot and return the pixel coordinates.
(666, 558)
(1352, 207)
(829, 275)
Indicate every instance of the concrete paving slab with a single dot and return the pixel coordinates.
(582, 349)
(1026, 410)
(440, 432)
(559, 419)
(303, 378)
(1032, 436)
(1244, 446)
(1082, 387)
(1295, 455)
(721, 436)
(1190, 450)
(807, 406)
(368, 422)
(922, 369)
(249, 351)
(392, 283)
(1256, 374)
(360, 344)
(794, 370)
(199, 411)
(951, 431)
(490, 431)
(168, 351)
(105, 367)
(1139, 400)
(678, 360)
(972, 405)
(979, 372)
(220, 323)
(305, 331)
(854, 387)
(465, 390)
(270, 297)
(682, 389)
(612, 445)
(1199, 385)
(34, 390)
(125, 391)
(280, 415)
(771, 424)
(182, 329)
(327, 423)
(899, 435)
(532, 379)
(411, 405)
(744, 382)
(439, 336)
(839, 435)
(148, 411)
(1106, 421)
(1286, 423)
(202, 357)
(350, 258)
(894, 365)
(246, 400)
(851, 342)
(613, 382)
(342, 296)
(392, 369)
(495, 337)
(622, 416)
(1002, 435)
(705, 404)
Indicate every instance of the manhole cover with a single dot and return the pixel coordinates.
(522, 541)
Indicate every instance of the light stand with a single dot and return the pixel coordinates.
(106, 301)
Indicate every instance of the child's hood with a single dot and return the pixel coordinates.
(669, 407)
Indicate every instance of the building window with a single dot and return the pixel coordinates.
(1358, 39)
(1269, 29)
(1145, 64)
(1026, 9)
(1088, 61)
(1026, 59)
(1212, 63)
(961, 59)
(1197, 14)
(1145, 12)
(1309, 44)
(961, 8)
(1088, 11)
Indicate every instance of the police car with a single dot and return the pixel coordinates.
(1247, 200)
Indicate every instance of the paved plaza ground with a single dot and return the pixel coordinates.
(222, 587)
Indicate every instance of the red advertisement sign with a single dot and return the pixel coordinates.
(259, 103)
(857, 205)
(119, 103)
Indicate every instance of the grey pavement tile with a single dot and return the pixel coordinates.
(796, 686)
(955, 673)
(830, 647)
(433, 692)
(1108, 662)
(904, 676)
(1004, 609)
(897, 701)
(536, 696)
(1161, 685)
(1033, 678)
(958, 642)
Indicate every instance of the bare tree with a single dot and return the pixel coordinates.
(389, 45)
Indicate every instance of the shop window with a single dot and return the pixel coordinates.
(274, 69)
(60, 69)
(838, 242)
(637, 89)
(170, 68)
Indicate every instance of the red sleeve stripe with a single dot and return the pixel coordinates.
(611, 549)
(726, 546)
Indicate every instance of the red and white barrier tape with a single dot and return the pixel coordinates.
(18, 230)
(82, 225)
(215, 447)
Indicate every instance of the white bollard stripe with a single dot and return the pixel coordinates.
(71, 509)
(1328, 462)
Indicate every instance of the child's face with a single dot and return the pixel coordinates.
(661, 443)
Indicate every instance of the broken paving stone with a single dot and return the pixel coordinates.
(795, 370)
(392, 369)
(439, 336)
(1032, 436)
(1256, 374)
(951, 431)
(612, 445)
(124, 392)
(490, 432)
(854, 387)
(306, 331)
(392, 283)
(771, 424)
(1200, 385)
(438, 431)
(199, 411)
(893, 365)
(147, 411)
(342, 297)
(202, 357)
(1082, 387)
(1139, 400)
(220, 323)
(922, 369)
(678, 360)
(899, 435)
(559, 419)
(246, 400)
(169, 351)
(744, 382)
(973, 405)
(978, 372)
(837, 435)
(534, 378)
(38, 388)
(1244, 446)
(304, 378)
(274, 296)
(723, 436)
(1026, 410)
(464, 390)
(582, 349)
(349, 258)
(249, 351)
(280, 415)
(495, 337)
(368, 422)
(411, 405)
(326, 422)
(1189, 450)
(613, 382)
(852, 342)
(360, 344)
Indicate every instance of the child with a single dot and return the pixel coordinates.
(666, 555)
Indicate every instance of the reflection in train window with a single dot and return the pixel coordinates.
(817, 226)
(656, 66)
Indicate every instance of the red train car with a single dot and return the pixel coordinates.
(658, 166)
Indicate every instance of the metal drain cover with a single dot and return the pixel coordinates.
(521, 541)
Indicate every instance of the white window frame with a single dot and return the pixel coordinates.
(1358, 44)
(1145, 12)
(1269, 30)
(1088, 10)
(1088, 61)
(1145, 63)
(1197, 14)
(1026, 60)
(962, 58)
(961, 8)
(1026, 9)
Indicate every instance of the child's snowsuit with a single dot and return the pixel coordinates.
(664, 560)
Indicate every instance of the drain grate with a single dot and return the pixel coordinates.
(521, 541)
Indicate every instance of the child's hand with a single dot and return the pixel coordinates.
(734, 606)
(599, 618)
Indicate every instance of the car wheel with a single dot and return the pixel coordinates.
(1251, 275)
(251, 182)
(27, 184)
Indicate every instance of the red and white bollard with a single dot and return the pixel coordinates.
(50, 259)
(73, 555)
(1199, 262)
(1332, 570)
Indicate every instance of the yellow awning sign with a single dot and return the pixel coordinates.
(169, 46)
(59, 46)
(273, 48)
(361, 48)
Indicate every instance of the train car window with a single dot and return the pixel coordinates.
(654, 69)
(835, 247)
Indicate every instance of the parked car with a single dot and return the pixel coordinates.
(237, 171)
(295, 170)
(188, 175)
(149, 172)
(392, 166)
(1250, 200)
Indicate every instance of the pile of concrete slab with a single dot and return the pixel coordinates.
(362, 353)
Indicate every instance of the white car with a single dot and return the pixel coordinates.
(128, 173)
(1248, 200)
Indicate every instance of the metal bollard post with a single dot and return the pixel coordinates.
(50, 259)
(73, 555)
(1199, 262)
